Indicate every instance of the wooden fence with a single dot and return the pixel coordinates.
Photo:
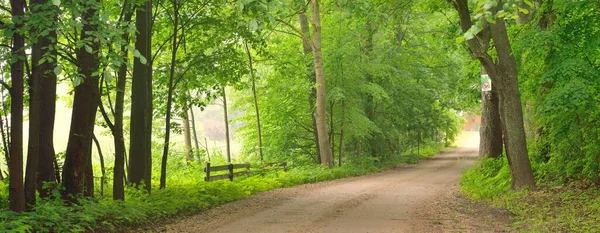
(231, 171)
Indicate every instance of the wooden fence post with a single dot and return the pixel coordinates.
(207, 169)
(230, 172)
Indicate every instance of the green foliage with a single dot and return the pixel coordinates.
(559, 209)
(488, 179)
(559, 68)
(388, 90)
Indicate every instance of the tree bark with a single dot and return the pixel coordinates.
(195, 134)
(515, 140)
(33, 150)
(490, 133)
(310, 75)
(140, 157)
(16, 191)
(320, 114)
(77, 174)
(47, 157)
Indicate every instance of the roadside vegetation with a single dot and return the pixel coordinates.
(189, 194)
(556, 49)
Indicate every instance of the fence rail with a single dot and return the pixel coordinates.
(235, 170)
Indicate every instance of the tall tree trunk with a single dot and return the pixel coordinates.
(226, 119)
(490, 133)
(33, 150)
(258, 129)
(119, 140)
(16, 191)
(320, 114)
(46, 170)
(140, 156)
(505, 76)
(77, 175)
(165, 155)
(189, 153)
(516, 145)
(312, 97)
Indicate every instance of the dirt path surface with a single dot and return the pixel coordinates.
(411, 198)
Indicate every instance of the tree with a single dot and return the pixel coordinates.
(171, 87)
(251, 68)
(504, 75)
(47, 109)
(490, 133)
(320, 113)
(310, 74)
(118, 135)
(17, 195)
(140, 155)
(77, 171)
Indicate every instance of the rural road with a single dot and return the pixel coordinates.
(410, 198)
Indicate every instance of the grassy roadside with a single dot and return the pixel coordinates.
(570, 208)
(186, 194)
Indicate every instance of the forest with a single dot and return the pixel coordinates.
(110, 110)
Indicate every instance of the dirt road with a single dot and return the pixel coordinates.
(410, 198)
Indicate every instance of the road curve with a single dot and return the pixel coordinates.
(397, 200)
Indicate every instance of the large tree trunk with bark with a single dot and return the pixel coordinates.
(512, 112)
(320, 113)
(140, 156)
(504, 75)
(310, 75)
(33, 150)
(490, 133)
(47, 157)
(16, 191)
(77, 174)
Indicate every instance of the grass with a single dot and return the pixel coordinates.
(570, 208)
(555, 210)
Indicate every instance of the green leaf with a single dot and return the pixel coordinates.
(56, 2)
(108, 75)
(76, 81)
(253, 25)
(58, 69)
(143, 60)
(88, 49)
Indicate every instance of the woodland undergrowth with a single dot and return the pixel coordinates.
(570, 207)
